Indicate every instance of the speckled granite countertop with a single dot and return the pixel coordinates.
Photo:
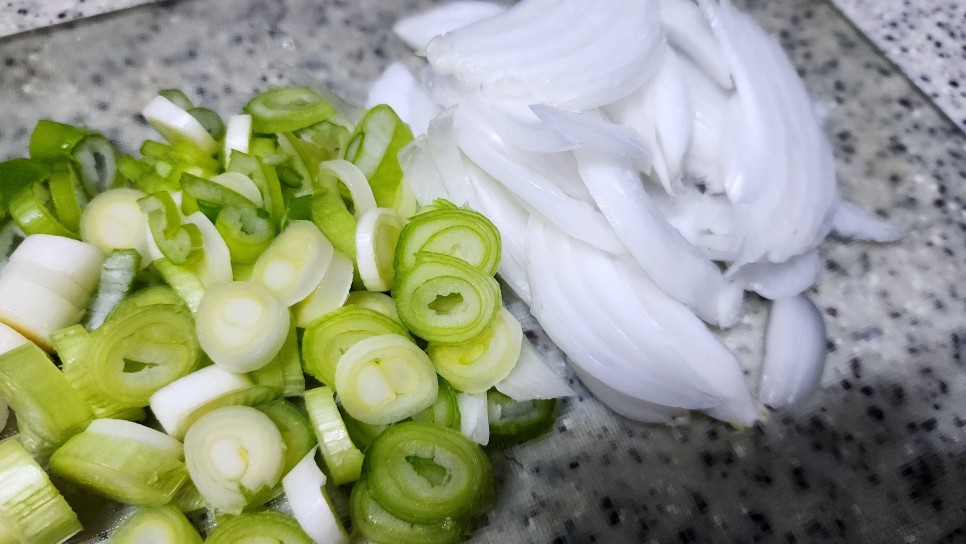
(877, 456)
(21, 15)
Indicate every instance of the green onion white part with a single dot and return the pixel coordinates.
(294, 263)
(177, 125)
(241, 184)
(174, 404)
(330, 294)
(238, 135)
(114, 220)
(342, 458)
(376, 235)
(379, 302)
(155, 525)
(356, 182)
(158, 441)
(235, 456)
(78, 260)
(241, 325)
(484, 361)
(384, 379)
(215, 265)
(55, 281)
(35, 311)
(305, 489)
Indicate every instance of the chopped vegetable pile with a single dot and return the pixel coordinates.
(195, 328)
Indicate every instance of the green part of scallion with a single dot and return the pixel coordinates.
(329, 337)
(284, 372)
(122, 466)
(41, 396)
(342, 458)
(445, 411)
(183, 280)
(155, 525)
(481, 363)
(96, 161)
(177, 97)
(179, 242)
(67, 195)
(513, 422)
(53, 141)
(424, 473)
(330, 214)
(295, 427)
(286, 109)
(376, 524)
(445, 300)
(31, 508)
(212, 122)
(454, 231)
(259, 528)
(118, 275)
(361, 433)
(265, 179)
(374, 146)
(33, 210)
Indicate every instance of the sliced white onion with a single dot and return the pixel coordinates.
(531, 378)
(398, 88)
(853, 222)
(420, 173)
(474, 418)
(304, 488)
(794, 352)
(780, 280)
(688, 31)
(590, 129)
(418, 30)
(626, 405)
(660, 250)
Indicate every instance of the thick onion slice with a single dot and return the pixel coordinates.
(418, 30)
(794, 352)
(531, 378)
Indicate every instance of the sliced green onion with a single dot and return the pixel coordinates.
(67, 195)
(33, 310)
(330, 136)
(355, 181)
(342, 458)
(186, 399)
(330, 214)
(31, 209)
(235, 456)
(287, 109)
(54, 280)
(238, 135)
(295, 262)
(361, 433)
(241, 325)
(247, 232)
(117, 280)
(264, 527)
(41, 396)
(483, 362)
(329, 337)
(304, 488)
(265, 179)
(179, 243)
(379, 302)
(241, 184)
(445, 300)
(513, 422)
(376, 524)
(79, 260)
(376, 235)
(188, 499)
(330, 294)
(374, 146)
(445, 411)
(31, 508)
(10, 339)
(302, 167)
(210, 120)
(453, 231)
(214, 268)
(72, 346)
(132, 358)
(183, 280)
(384, 379)
(177, 97)
(114, 220)
(155, 525)
(51, 141)
(424, 473)
(177, 125)
(295, 428)
(284, 372)
(123, 461)
(96, 161)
